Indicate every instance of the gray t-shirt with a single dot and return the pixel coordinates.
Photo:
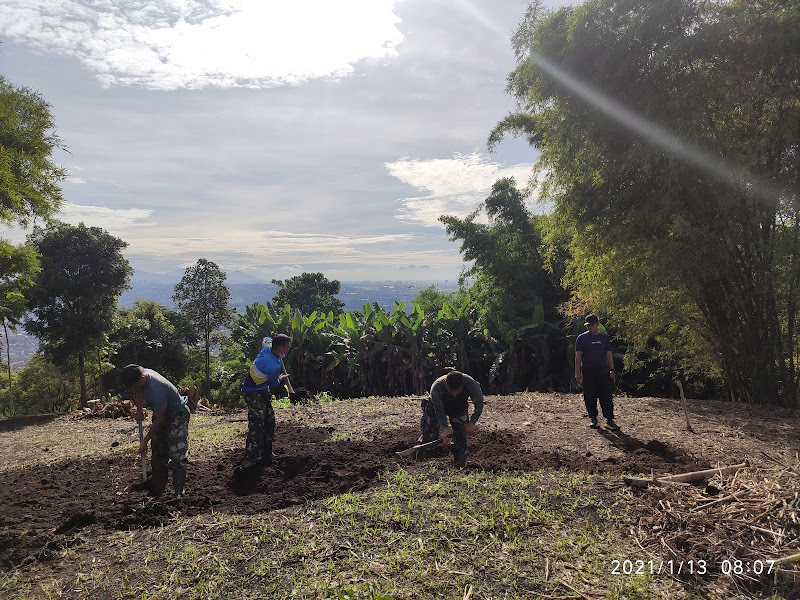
(159, 394)
(456, 406)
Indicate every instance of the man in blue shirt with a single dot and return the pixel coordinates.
(169, 432)
(265, 376)
(594, 370)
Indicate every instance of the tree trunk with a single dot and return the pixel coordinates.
(8, 362)
(82, 375)
(208, 364)
(100, 374)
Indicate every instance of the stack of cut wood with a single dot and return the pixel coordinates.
(195, 401)
(750, 515)
(115, 409)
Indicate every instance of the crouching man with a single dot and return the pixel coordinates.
(169, 432)
(448, 399)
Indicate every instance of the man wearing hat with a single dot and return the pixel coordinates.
(594, 370)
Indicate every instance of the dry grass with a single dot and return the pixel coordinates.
(739, 526)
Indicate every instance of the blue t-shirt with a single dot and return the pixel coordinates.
(265, 372)
(594, 348)
(159, 394)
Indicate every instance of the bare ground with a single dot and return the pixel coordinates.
(68, 480)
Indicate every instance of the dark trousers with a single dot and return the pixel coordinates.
(170, 445)
(260, 426)
(597, 386)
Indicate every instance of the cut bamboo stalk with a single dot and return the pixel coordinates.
(683, 403)
(706, 474)
(685, 478)
(788, 559)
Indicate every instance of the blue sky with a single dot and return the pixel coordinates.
(274, 138)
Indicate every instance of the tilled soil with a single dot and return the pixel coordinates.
(44, 508)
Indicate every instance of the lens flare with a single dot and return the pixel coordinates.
(728, 173)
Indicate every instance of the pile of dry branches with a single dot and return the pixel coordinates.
(114, 409)
(745, 526)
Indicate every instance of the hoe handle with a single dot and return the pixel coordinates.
(144, 458)
(413, 449)
(288, 383)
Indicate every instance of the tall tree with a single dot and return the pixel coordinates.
(150, 334)
(29, 188)
(202, 297)
(29, 179)
(504, 256)
(309, 292)
(18, 266)
(668, 134)
(75, 295)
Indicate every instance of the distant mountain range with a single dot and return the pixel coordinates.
(173, 277)
(354, 294)
(245, 290)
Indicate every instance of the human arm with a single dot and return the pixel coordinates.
(138, 402)
(159, 419)
(578, 360)
(476, 393)
(610, 361)
(437, 400)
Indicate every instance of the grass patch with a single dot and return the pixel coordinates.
(427, 533)
(206, 431)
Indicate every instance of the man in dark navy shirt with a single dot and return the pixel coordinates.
(594, 370)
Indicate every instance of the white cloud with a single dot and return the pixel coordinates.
(450, 186)
(186, 44)
(117, 222)
(339, 256)
(112, 220)
(279, 246)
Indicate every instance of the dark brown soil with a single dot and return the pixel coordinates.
(44, 508)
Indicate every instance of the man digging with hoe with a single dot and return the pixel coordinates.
(448, 400)
(169, 433)
(265, 376)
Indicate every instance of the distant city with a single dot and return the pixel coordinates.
(354, 294)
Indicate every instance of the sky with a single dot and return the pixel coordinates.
(274, 138)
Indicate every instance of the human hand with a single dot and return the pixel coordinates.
(444, 436)
(579, 377)
(613, 376)
(143, 446)
(469, 428)
(139, 416)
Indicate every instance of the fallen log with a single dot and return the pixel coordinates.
(693, 477)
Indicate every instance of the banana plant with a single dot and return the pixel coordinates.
(459, 322)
